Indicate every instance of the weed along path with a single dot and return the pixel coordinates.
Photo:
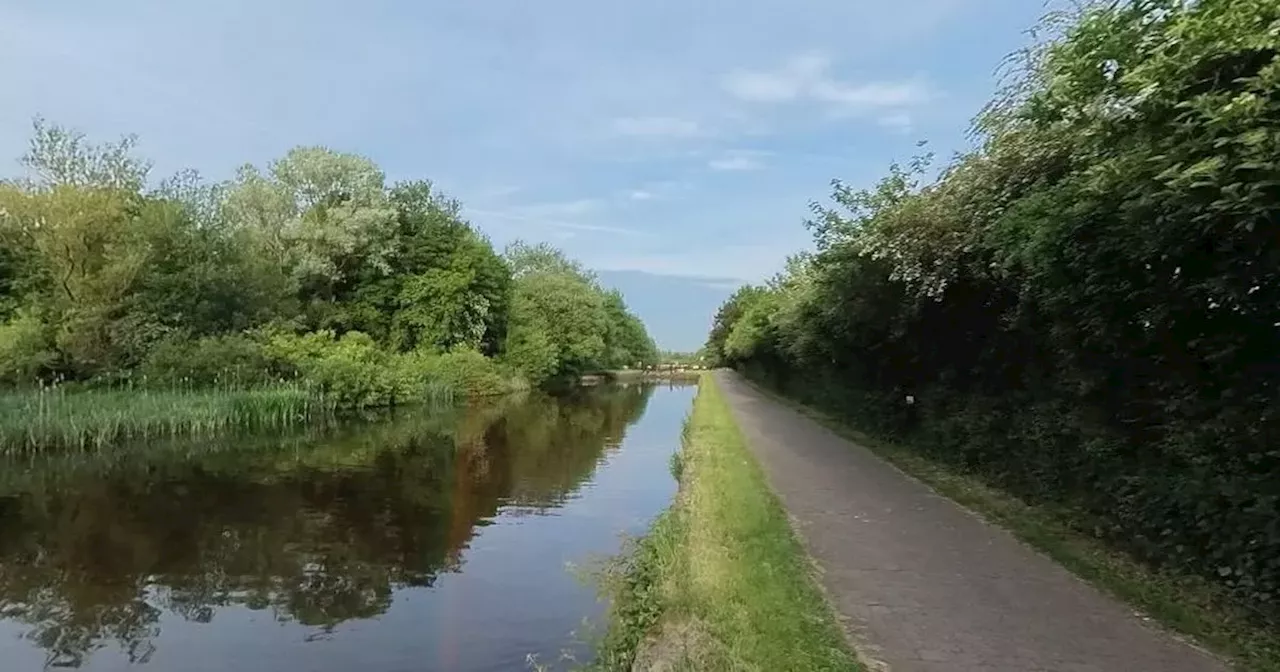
(923, 585)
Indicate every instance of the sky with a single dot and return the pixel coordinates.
(673, 146)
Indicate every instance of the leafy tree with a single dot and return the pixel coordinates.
(1085, 306)
(726, 317)
(450, 288)
(531, 259)
(560, 310)
(89, 254)
(627, 343)
(61, 157)
(563, 323)
(323, 215)
(310, 267)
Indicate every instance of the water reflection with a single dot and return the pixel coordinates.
(316, 529)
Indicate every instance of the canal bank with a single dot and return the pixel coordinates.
(720, 581)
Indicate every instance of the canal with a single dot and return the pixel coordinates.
(427, 540)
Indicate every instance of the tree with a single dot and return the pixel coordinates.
(89, 255)
(1086, 306)
(323, 215)
(627, 343)
(100, 275)
(528, 259)
(725, 319)
(562, 311)
(450, 288)
(62, 157)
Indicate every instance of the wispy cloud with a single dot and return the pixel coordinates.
(735, 163)
(658, 127)
(640, 195)
(740, 159)
(574, 208)
(545, 216)
(897, 121)
(807, 77)
(496, 193)
(724, 266)
(777, 86)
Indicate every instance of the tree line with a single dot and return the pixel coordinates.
(311, 268)
(1084, 308)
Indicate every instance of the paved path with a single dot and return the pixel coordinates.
(927, 586)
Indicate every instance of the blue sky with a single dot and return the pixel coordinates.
(673, 146)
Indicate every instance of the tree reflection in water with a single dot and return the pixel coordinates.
(319, 528)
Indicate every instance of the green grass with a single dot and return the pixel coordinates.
(95, 420)
(1185, 604)
(720, 581)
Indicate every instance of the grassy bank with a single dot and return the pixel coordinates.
(1185, 604)
(720, 582)
(96, 419)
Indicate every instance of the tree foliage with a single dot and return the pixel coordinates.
(563, 323)
(1086, 307)
(388, 287)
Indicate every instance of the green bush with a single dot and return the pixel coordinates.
(234, 361)
(531, 352)
(24, 349)
(471, 373)
(354, 372)
(415, 379)
(351, 371)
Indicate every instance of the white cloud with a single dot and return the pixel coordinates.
(779, 86)
(898, 121)
(727, 266)
(572, 208)
(807, 77)
(875, 94)
(599, 228)
(738, 160)
(658, 127)
(548, 216)
(640, 195)
(735, 163)
(495, 193)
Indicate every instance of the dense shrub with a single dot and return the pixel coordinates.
(25, 349)
(470, 373)
(354, 372)
(350, 370)
(233, 360)
(1086, 308)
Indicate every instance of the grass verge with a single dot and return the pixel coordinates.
(720, 581)
(1184, 604)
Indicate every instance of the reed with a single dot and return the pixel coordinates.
(53, 418)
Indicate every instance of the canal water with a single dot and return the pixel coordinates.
(441, 540)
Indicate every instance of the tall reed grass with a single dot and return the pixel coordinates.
(52, 418)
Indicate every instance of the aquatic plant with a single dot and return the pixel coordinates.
(51, 417)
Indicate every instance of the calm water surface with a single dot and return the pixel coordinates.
(427, 541)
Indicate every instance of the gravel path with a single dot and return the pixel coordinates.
(922, 584)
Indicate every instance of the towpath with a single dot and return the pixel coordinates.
(922, 584)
